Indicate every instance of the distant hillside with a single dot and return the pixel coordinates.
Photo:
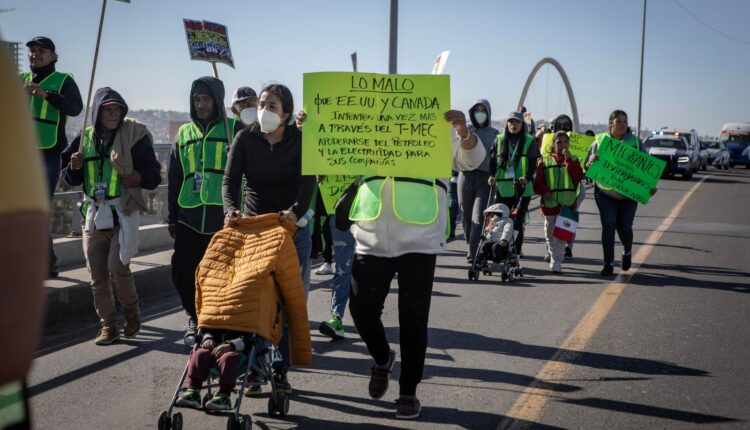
(157, 121)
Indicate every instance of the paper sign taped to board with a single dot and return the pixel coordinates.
(376, 125)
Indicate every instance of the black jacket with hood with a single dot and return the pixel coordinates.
(204, 219)
(68, 102)
(487, 134)
(142, 152)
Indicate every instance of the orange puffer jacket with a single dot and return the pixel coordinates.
(248, 274)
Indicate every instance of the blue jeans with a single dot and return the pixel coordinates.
(303, 243)
(615, 215)
(343, 255)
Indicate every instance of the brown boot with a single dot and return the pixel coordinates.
(132, 322)
(107, 334)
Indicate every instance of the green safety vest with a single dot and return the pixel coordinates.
(98, 169)
(415, 201)
(46, 117)
(205, 156)
(562, 190)
(631, 140)
(505, 185)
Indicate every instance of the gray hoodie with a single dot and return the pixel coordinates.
(487, 134)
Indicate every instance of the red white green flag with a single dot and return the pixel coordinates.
(566, 224)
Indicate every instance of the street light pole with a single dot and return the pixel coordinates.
(393, 44)
(640, 84)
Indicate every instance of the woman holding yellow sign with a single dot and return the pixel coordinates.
(616, 211)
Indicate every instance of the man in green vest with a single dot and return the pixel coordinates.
(113, 160)
(196, 171)
(53, 96)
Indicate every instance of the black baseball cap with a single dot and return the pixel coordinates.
(44, 42)
(243, 93)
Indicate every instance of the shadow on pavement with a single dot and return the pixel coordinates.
(651, 411)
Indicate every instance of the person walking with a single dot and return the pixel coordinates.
(113, 160)
(196, 170)
(514, 172)
(557, 181)
(269, 157)
(53, 97)
(616, 211)
(245, 105)
(473, 186)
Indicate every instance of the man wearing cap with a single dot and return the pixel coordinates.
(245, 105)
(514, 170)
(196, 171)
(53, 97)
(113, 160)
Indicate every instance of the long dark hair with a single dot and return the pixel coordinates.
(615, 113)
(505, 145)
(283, 93)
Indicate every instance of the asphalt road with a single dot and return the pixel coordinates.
(664, 348)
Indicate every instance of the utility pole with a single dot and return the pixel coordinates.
(640, 85)
(393, 44)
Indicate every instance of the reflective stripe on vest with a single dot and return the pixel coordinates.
(206, 155)
(415, 201)
(558, 180)
(98, 169)
(46, 117)
(631, 140)
(505, 185)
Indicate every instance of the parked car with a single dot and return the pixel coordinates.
(718, 154)
(736, 137)
(673, 149)
(693, 144)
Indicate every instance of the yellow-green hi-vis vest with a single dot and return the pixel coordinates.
(631, 140)
(504, 181)
(415, 201)
(46, 117)
(98, 172)
(560, 184)
(203, 159)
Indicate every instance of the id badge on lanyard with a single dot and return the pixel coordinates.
(100, 191)
(197, 182)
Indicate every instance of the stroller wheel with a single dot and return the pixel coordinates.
(206, 398)
(177, 421)
(272, 405)
(164, 421)
(233, 423)
(471, 274)
(283, 407)
(504, 277)
(519, 272)
(246, 422)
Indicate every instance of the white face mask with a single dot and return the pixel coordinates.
(269, 121)
(249, 115)
(481, 117)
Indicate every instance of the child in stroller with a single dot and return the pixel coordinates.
(496, 245)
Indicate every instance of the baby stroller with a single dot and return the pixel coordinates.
(260, 358)
(484, 260)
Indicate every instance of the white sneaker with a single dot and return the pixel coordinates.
(324, 269)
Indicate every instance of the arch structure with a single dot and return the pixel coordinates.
(564, 76)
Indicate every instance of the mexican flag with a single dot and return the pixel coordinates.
(566, 224)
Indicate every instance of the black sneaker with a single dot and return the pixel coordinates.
(380, 376)
(191, 330)
(408, 408)
(627, 261)
(568, 253)
(282, 384)
(608, 270)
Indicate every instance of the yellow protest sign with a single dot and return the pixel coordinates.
(331, 189)
(579, 144)
(376, 125)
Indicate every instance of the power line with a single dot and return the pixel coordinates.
(705, 24)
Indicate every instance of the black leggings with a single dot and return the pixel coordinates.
(189, 247)
(371, 281)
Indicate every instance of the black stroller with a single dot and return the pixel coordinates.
(260, 358)
(484, 261)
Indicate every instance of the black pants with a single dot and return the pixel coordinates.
(495, 252)
(520, 220)
(371, 281)
(189, 247)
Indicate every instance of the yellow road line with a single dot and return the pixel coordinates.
(529, 406)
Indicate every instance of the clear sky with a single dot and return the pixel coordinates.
(693, 77)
